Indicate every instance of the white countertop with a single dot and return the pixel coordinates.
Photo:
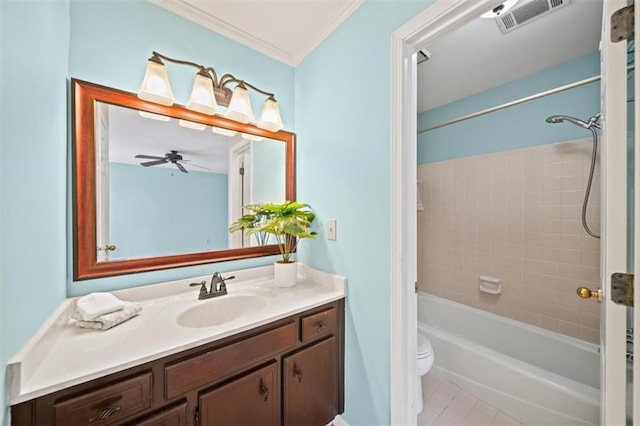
(62, 355)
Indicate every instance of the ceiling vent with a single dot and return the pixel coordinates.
(527, 12)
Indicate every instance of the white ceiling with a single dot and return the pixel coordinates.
(285, 30)
(130, 135)
(478, 56)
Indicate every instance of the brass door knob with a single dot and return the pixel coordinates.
(587, 293)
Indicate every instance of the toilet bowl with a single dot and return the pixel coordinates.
(425, 362)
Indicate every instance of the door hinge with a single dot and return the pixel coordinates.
(241, 171)
(415, 286)
(622, 289)
(622, 22)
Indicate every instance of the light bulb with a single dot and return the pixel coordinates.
(192, 125)
(270, 117)
(240, 106)
(155, 86)
(251, 137)
(224, 132)
(202, 98)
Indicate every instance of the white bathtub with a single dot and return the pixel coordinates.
(536, 376)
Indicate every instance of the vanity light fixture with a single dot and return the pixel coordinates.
(208, 92)
(224, 132)
(251, 137)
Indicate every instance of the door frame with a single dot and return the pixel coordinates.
(439, 18)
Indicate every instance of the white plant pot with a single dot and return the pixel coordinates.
(285, 274)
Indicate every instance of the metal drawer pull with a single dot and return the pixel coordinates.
(297, 372)
(104, 414)
(264, 390)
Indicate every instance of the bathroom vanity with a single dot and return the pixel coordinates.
(282, 365)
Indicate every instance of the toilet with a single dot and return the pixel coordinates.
(425, 361)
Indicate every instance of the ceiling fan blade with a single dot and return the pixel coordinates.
(181, 167)
(150, 157)
(153, 163)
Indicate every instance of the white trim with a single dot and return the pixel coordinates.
(336, 20)
(636, 229)
(210, 22)
(613, 243)
(440, 17)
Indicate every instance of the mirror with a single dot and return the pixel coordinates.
(157, 187)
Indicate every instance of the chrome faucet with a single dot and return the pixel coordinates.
(217, 287)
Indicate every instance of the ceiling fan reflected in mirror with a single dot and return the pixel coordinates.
(170, 157)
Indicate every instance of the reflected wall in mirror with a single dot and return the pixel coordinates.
(166, 183)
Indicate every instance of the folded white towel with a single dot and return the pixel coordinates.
(106, 321)
(93, 305)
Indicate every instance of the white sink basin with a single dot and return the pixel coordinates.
(221, 310)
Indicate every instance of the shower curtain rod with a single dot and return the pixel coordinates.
(514, 103)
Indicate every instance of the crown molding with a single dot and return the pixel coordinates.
(210, 22)
(338, 18)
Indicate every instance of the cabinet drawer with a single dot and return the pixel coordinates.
(106, 405)
(174, 416)
(206, 368)
(318, 324)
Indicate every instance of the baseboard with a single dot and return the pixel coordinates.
(339, 421)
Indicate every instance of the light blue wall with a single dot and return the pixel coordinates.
(166, 211)
(110, 43)
(269, 171)
(343, 123)
(107, 43)
(515, 127)
(35, 37)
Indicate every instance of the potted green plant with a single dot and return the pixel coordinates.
(288, 222)
(251, 221)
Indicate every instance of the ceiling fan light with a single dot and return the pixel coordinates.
(202, 98)
(240, 106)
(251, 137)
(155, 86)
(270, 117)
(153, 116)
(192, 125)
(224, 132)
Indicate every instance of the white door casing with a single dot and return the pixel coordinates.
(613, 243)
(636, 228)
(441, 17)
(102, 182)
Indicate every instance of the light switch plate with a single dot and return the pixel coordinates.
(331, 229)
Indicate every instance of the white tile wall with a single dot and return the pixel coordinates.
(515, 215)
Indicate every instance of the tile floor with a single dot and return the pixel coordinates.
(446, 404)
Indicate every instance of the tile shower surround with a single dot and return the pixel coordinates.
(515, 215)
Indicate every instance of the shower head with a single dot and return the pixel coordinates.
(554, 119)
(592, 122)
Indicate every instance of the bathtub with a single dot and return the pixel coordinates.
(536, 376)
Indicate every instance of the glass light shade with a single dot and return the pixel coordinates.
(192, 125)
(252, 137)
(153, 116)
(270, 117)
(240, 106)
(155, 86)
(202, 98)
(225, 132)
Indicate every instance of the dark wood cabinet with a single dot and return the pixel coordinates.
(289, 372)
(249, 400)
(309, 380)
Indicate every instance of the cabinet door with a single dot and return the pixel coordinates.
(251, 400)
(310, 385)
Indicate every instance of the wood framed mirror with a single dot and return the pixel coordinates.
(156, 187)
